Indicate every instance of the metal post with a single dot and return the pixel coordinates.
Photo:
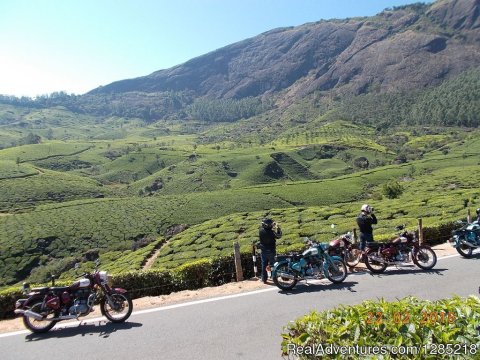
(420, 231)
(254, 258)
(238, 261)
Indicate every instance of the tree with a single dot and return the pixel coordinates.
(31, 138)
(361, 162)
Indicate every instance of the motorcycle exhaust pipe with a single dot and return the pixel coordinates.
(65, 317)
(29, 313)
(468, 244)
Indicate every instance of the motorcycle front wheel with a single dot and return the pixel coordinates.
(39, 326)
(283, 277)
(339, 275)
(425, 258)
(353, 256)
(119, 309)
(375, 263)
(465, 250)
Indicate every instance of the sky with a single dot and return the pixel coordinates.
(78, 45)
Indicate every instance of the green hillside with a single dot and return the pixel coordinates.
(439, 187)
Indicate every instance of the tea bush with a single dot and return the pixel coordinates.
(408, 322)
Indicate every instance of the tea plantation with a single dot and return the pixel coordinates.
(120, 199)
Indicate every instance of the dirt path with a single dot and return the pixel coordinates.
(208, 292)
(151, 260)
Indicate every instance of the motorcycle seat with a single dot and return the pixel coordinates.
(40, 289)
(59, 288)
(374, 244)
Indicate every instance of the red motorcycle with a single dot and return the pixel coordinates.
(344, 247)
(46, 306)
(403, 249)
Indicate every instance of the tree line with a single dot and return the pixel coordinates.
(455, 102)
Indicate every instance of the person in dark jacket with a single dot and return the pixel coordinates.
(269, 233)
(478, 215)
(365, 221)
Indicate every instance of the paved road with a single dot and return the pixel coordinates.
(246, 326)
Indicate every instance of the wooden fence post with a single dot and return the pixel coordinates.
(238, 261)
(469, 217)
(420, 231)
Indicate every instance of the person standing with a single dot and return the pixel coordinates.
(269, 233)
(365, 221)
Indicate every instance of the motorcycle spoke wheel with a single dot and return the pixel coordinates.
(119, 310)
(39, 326)
(282, 282)
(352, 257)
(465, 250)
(336, 276)
(375, 264)
(425, 258)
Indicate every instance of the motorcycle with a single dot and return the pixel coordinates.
(45, 306)
(313, 263)
(403, 249)
(466, 239)
(344, 247)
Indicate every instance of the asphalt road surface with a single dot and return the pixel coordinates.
(244, 326)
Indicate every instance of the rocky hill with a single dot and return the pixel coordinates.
(405, 47)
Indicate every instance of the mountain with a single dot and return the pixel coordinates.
(406, 47)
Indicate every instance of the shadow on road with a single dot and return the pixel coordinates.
(87, 329)
(409, 271)
(303, 287)
(475, 256)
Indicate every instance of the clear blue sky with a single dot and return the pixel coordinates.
(78, 45)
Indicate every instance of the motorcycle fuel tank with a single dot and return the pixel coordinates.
(310, 252)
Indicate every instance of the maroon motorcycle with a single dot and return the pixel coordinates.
(45, 306)
(401, 250)
(344, 247)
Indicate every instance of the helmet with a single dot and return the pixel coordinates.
(267, 223)
(366, 208)
(478, 211)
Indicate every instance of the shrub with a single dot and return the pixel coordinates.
(392, 189)
(408, 322)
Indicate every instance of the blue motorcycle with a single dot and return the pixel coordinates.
(313, 263)
(466, 239)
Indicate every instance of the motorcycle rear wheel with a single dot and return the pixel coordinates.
(465, 250)
(121, 309)
(284, 283)
(375, 264)
(336, 277)
(425, 258)
(39, 326)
